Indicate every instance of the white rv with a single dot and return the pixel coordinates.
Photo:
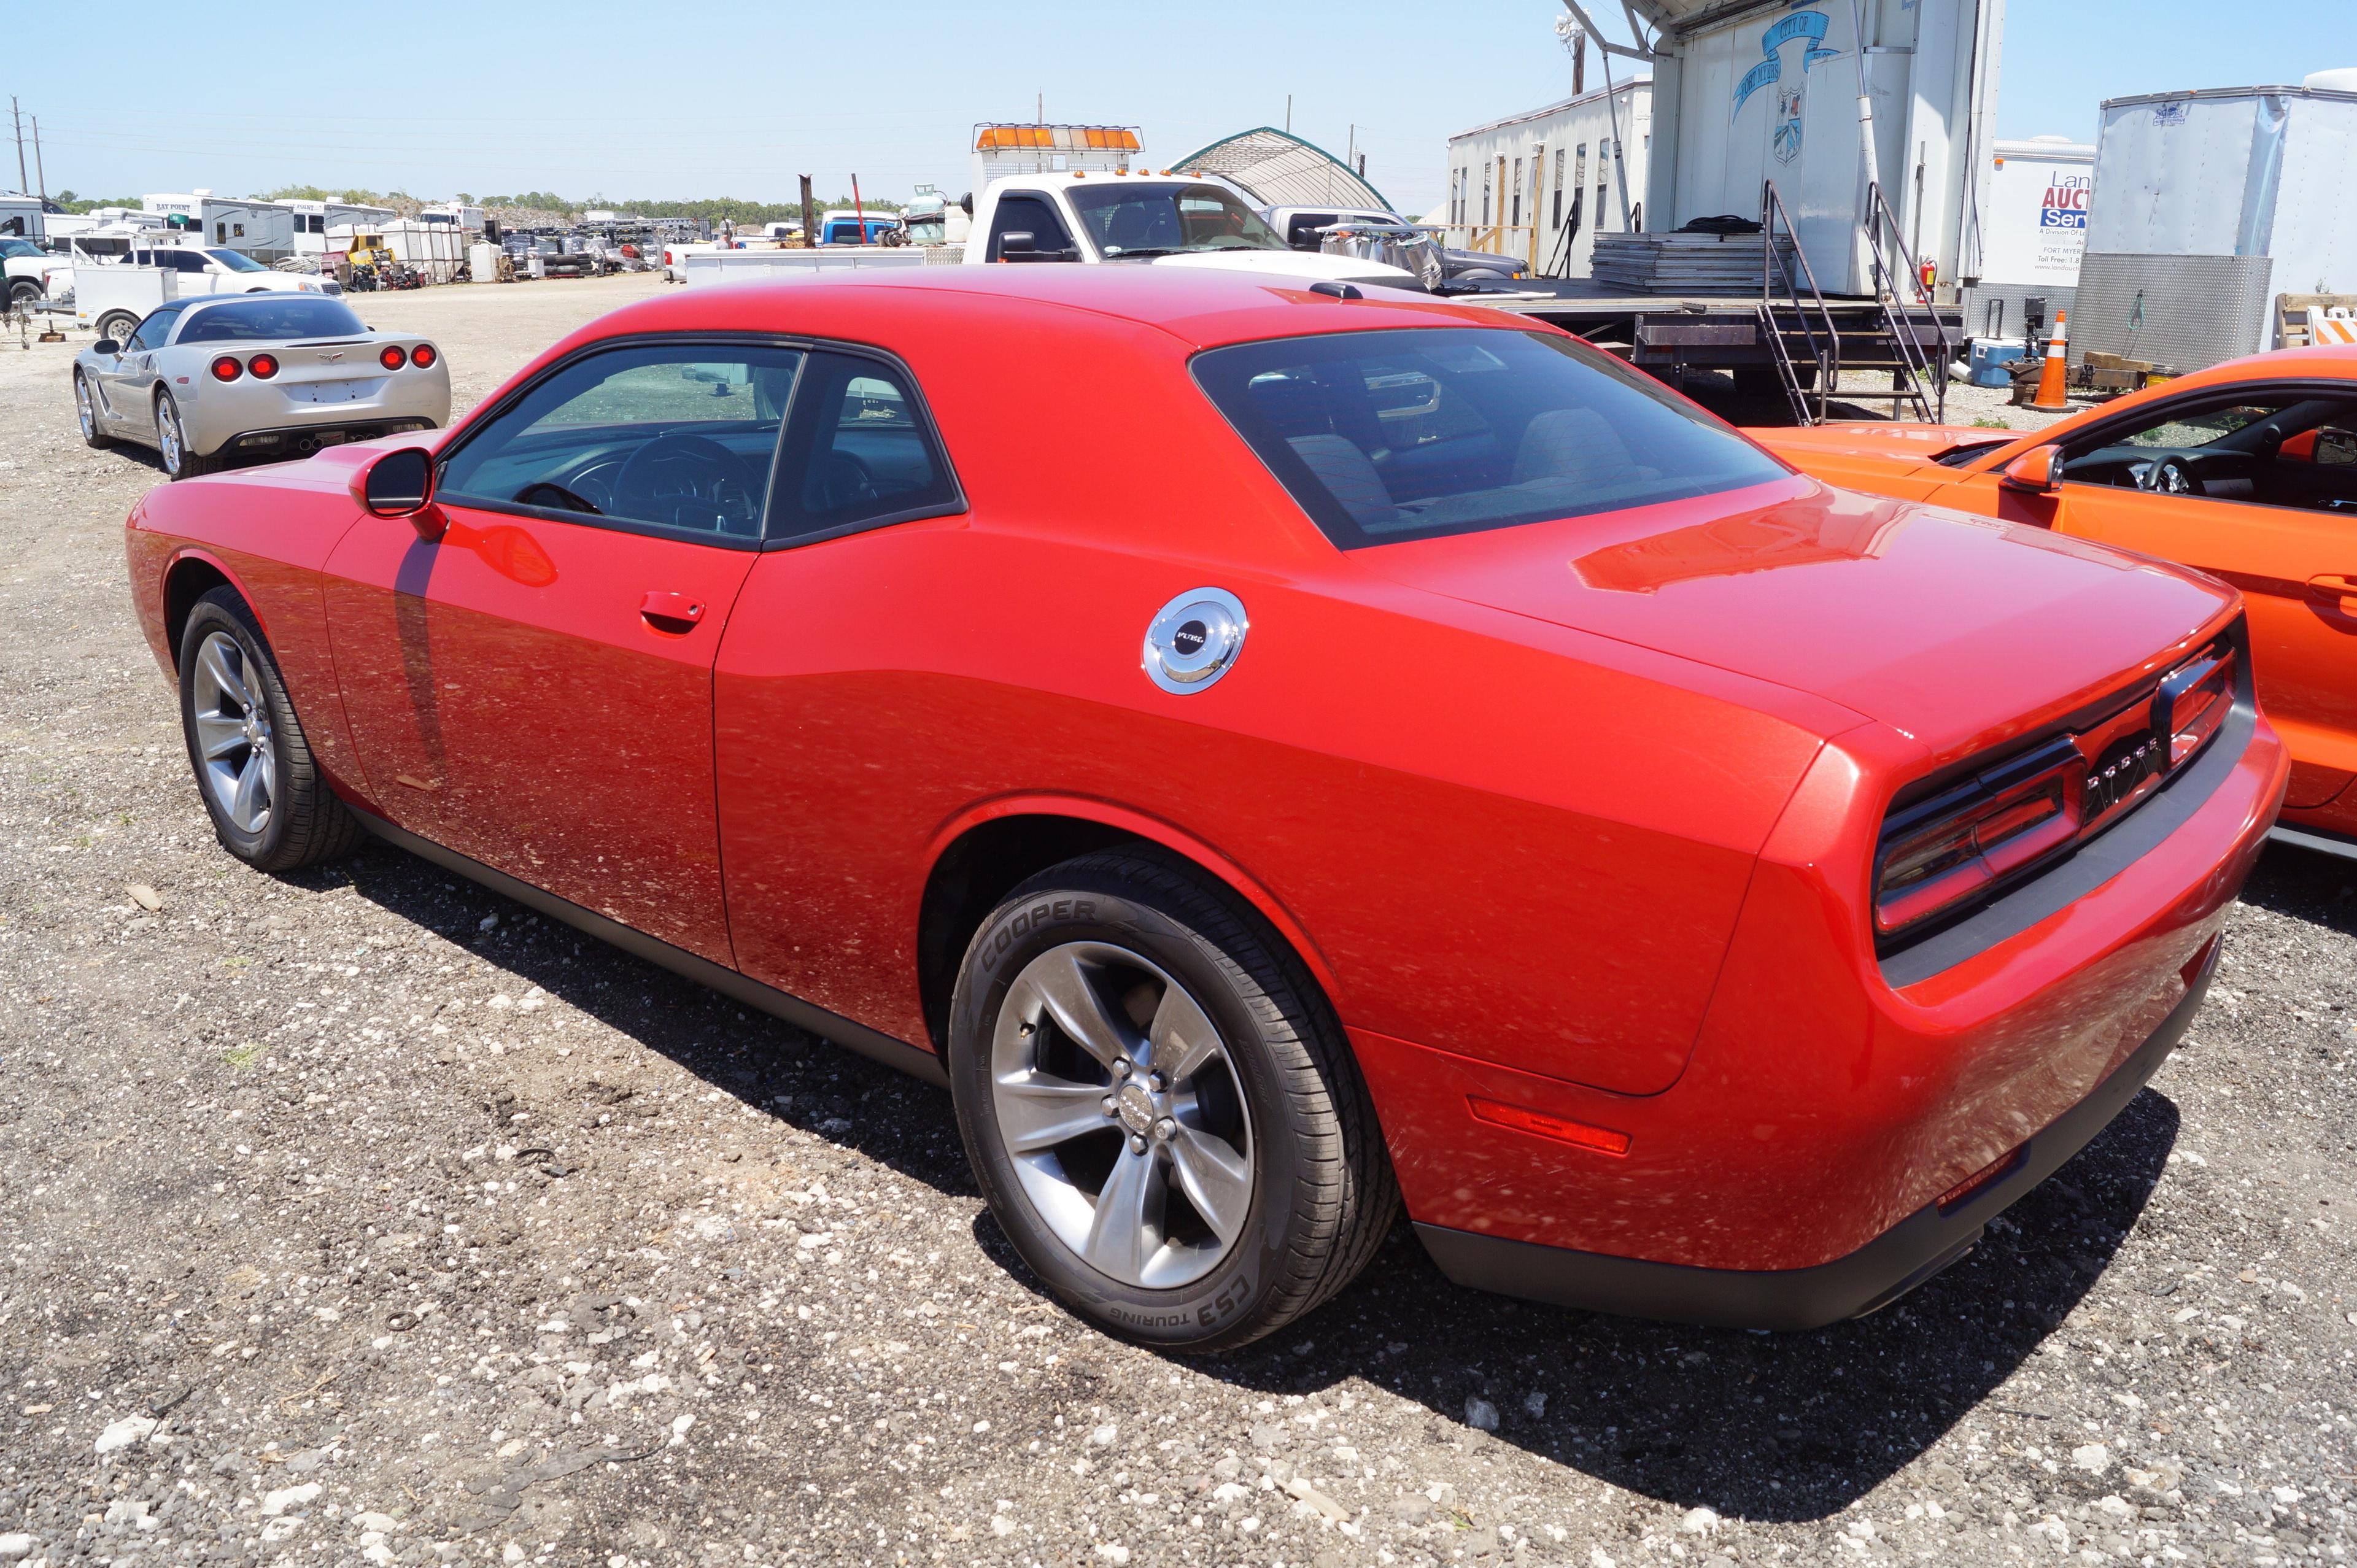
(262, 229)
(313, 219)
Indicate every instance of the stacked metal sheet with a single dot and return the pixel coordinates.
(1682, 263)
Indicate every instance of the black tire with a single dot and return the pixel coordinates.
(93, 435)
(307, 825)
(180, 463)
(118, 325)
(24, 294)
(1323, 1194)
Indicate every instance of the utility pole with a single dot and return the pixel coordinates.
(40, 173)
(17, 119)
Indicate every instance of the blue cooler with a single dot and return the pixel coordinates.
(1991, 360)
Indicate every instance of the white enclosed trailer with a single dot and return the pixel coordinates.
(1746, 92)
(2215, 203)
(2033, 231)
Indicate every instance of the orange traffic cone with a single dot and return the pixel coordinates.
(2051, 398)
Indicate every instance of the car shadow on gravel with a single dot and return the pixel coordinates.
(1764, 1427)
(864, 1111)
(2307, 884)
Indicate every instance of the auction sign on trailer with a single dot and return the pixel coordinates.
(2035, 226)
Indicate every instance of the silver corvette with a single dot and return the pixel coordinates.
(218, 378)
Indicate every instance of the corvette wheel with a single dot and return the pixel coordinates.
(1160, 1109)
(270, 806)
(172, 442)
(86, 413)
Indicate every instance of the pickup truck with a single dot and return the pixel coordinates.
(29, 267)
(1157, 219)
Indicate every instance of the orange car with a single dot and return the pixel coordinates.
(2247, 470)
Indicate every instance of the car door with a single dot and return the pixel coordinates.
(533, 689)
(797, 710)
(1030, 213)
(2257, 484)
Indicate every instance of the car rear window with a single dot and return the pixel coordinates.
(269, 319)
(1382, 436)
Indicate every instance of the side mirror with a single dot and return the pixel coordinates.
(2036, 472)
(1017, 243)
(106, 346)
(401, 484)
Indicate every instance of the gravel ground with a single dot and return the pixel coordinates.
(361, 1215)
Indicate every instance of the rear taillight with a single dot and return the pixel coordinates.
(262, 366)
(1940, 855)
(227, 368)
(423, 356)
(1952, 848)
(2193, 702)
(392, 357)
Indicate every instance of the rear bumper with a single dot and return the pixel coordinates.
(1876, 1273)
(281, 443)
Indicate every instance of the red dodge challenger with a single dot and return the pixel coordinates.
(1270, 752)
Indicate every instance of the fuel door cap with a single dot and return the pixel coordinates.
(1194, 639)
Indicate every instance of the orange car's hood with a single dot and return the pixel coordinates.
(1904, 444)
(1951, 628)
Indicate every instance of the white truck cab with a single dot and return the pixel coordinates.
(1149, 220)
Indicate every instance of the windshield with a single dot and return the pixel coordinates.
(237, 261)
(1384, 436)
(13, 248)
(269, 319)
(1164, 220)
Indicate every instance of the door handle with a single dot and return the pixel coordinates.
(2336, 585)
(676, 613)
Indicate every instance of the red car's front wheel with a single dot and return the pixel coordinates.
(1160, 1107)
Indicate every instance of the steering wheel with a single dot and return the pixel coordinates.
(2168, 476)
(689, 481)
(842, 481)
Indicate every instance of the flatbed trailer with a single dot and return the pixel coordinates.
(1670, 334)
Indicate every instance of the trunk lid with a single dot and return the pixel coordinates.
(1955, 630)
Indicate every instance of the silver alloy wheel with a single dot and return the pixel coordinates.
(236, 758)
(1121, 1114)
(83, 411)
(167, 436)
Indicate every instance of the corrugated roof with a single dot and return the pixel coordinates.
(1280, 169)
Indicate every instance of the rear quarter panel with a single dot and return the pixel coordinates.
(1511, 840)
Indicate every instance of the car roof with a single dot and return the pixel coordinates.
(1204, 308)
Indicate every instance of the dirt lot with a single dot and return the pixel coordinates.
(364, 1217)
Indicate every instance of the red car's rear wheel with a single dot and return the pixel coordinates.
(1160, 1107)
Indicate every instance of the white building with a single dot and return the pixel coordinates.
(1539, 186)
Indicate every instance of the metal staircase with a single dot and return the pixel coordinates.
(1813, 341)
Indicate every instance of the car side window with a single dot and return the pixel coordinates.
(860, 452)
(2292, 448)
(1035, 216)
(152, 331)
(668, 436)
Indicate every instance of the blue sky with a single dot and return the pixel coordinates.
(738, 97)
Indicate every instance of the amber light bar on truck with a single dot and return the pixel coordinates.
(1938, 856)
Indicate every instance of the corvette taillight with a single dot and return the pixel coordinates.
(1957, 845)
(392, 357)
(227, 368)
(262, 366)
(423, 356)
